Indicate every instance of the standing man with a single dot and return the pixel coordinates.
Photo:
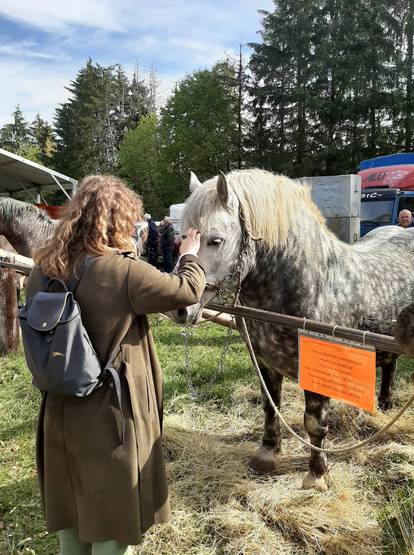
(405, 218)
(152, 240)
(167, 244)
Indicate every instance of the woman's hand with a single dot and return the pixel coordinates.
(191, 242)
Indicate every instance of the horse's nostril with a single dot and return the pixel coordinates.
(182, 312)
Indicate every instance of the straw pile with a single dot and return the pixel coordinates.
(220, 507)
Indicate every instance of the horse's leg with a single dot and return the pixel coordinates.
(264, 460)
(385, 395)
(316, 424)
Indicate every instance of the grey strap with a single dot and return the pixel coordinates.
(117, 383)
(72, 282)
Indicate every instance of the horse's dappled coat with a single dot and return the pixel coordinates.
(25, 226)
(297, 266)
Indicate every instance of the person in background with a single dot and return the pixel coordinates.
(167, 244)
(153, 238)
(100, 492)
(405, 218)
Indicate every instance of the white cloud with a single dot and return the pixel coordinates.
(29, 49)
(52, 15)
(178, 36)
(175, 16)
(36, 89)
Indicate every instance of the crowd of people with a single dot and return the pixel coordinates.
(159, 243)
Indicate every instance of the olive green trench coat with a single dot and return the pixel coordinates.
(88, 479)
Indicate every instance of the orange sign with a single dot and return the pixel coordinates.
(337, 368)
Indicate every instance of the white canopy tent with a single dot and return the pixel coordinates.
(19, 176)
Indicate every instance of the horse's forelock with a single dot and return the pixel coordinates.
(202, 205)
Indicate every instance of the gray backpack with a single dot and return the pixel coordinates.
(59, 353)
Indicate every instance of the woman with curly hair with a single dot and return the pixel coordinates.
(99, 493)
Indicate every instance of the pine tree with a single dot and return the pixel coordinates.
(280, 67)
(325, 85)
(44, 139)
(16, 136)
(91, 124)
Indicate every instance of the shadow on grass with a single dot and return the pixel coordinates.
(28, 427)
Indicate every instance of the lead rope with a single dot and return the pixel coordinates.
(292, 432)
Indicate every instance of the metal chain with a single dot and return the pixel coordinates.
(187, 333)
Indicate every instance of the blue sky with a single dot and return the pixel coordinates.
(44, 43)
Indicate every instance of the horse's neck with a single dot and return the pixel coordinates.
(25, 238)
(289, 279)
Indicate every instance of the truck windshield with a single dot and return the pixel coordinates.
(378, 212)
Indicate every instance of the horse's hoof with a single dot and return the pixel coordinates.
(385, 404)
(263, 461)
(310, 481)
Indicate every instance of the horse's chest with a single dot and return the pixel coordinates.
(275, 347)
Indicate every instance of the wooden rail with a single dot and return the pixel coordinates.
(21, 264)
(384, 342)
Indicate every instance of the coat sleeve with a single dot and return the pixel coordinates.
(150, 290)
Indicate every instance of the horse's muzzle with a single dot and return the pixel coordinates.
(211, 287)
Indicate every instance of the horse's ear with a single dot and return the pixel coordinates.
(194, 182)
(222, 188)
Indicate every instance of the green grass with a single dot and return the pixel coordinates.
(22, 527)
(21, 522)
(206, 364)
(198, 372)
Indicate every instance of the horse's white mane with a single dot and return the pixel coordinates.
(272, 204)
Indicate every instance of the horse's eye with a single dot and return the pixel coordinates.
(214, 242)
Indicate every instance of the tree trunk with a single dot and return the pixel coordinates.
(409, 77)
(9, 325)
(239, 110)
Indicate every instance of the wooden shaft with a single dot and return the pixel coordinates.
(22, 264)
(383, 342)
(222, 319)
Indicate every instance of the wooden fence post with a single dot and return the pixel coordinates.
(9, 324)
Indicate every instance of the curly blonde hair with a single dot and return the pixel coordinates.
(98, 220)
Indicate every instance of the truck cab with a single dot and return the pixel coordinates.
(387, 187)
(381, 207)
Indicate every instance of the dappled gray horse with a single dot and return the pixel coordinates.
(265, 231)
(25, 226)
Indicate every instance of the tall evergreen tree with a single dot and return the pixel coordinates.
(280, 67)
(91, 124)
(16, 136)
(44, 139)
(325, 85)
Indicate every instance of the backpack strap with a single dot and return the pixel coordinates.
(117, 383)
(73, 280)
(70, 284)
